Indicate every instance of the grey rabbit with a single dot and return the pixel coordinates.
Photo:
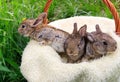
(45, 34)
(99, 44)
(93, 46)
(75, 44)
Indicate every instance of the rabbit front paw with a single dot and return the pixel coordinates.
(43, 43)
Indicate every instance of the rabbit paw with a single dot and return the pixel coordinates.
(42, 43)
(78, 61)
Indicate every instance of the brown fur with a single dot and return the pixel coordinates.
(98, 45)
(75, 43)
(45, 34)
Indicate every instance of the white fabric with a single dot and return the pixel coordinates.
(43, 64)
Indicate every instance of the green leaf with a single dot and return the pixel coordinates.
(5, 69)
(1, 55)
(0, 3)
(12, 63)
(6, 19)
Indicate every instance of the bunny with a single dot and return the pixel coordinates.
(98, 44)
(45, 34)
(75, 44)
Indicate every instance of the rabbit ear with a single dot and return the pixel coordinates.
(82, 30)
(90, 37)
(40, 19)
(98, 30)
(75, 28)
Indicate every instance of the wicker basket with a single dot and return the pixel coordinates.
(43, 63)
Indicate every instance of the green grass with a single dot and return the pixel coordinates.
(13, 11)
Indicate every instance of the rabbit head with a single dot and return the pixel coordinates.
(29, 25)
(75, 43)
(102, 43)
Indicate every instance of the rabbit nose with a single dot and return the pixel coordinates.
(71, 52)
(115, 47)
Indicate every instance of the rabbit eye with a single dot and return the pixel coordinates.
(79, 46)
(105, 43)
(23, 26)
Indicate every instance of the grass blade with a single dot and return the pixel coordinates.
(5, 69)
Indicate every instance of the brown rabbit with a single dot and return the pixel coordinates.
(27, 26)
(42, 33)
(99, 44)
(75, 44)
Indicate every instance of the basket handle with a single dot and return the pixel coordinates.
(115, 14)
(108, 3)
(46, 8)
